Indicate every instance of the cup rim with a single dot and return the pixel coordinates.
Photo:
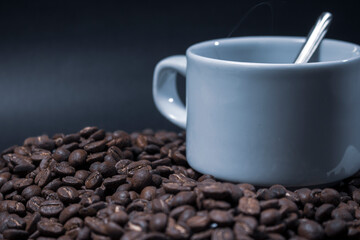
(190, 53)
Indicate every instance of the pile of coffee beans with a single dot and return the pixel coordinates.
(100, 185)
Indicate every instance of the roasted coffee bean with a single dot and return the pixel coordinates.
(64, 169)
(51, 208)
(67, 194)
(87, 131)
(15, 234)
(198, 223)
(329, 195)
(31, 191)
(270, 216)
(33, 204)
(43, 177)
(94, 180)
(14, 221)
(72, 182)
(77, 157)
(114, 181)
(183, 198)
(324, 212)
(31, 224)
(121, 197)
(342, 213)
(50, 228)
(222, 234)
(335, 228)
(310, 230)
(177, 230)
(69, 212)
(61, 154)
(94, 147)
(141, 179)
(113, 230)
(249, 206)
(221, 217)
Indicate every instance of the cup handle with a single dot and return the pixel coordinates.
(165, 93)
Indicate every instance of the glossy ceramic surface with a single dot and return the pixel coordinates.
(253, 116)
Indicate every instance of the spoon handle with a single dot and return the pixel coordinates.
(314, 38)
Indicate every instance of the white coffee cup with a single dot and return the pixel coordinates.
(253, 116)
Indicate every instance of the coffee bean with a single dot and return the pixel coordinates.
(94, 180)
(310, 230)
(31, 224)
(249, 206)
(61, 154)
(87, 131)
(121, 197)
(198, 223)
(13, 221)
(33, 204)
(69, 212)
(115, 181)
(51, 208)
(50, 228)
(148, 193)
(270, 216)
(342, 213)
(64, 169)
(15, 234)
(77, 157)
(113, 230)
(67, 194)
(158, 222)
(31, 191)
(335, 228)
(222, 234)
(141, 178)
(94, 147)
(221, 217)
(72, 182)
(329, 195)
(177, 230)
(43, 177)
(183, 198)
(324, 212)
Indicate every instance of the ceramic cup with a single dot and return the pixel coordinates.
(253, 116)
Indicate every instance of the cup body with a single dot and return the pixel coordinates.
(253, 116)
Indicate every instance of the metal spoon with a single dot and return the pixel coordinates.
(314, 38)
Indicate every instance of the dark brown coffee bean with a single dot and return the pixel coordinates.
(198, 223)
(72, 223)
(270, 216)
(95, 225)
(115, 181)
(82, 174)
(221, 217)
(53, 185)
(21, 183)
(329, 195)
(51, 208)
(87, 131)
(212, 204)
(311, 230)
(72, 182)
(141, 179)
(214, 190)
(95, 157)
(278, 191)
(309, 210)
(13, 221)
(15, 207)
(324, 212)
(61, 154)
(272, 203)
(77, 157)
(43, 177)
(287, 206)
(249, 206)
(31, 224)
(50, 228)
(94, 180)
(94, 147)
(113, 230)
(335, 228)
(158, 222)
(69, 138)
(342, 213)
(304, 195)
(183, 198)
(15, 234)
(31, 191)
(177, 230)
(121, 197)
(33, 204)
(69, 212)
(64, 169)
(222, 234)
(159, 205)
(67, 194)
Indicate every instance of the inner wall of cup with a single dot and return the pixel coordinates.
(273, 50)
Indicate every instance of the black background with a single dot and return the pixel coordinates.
(68, 64)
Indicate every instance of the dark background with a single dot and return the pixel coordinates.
(68, 64)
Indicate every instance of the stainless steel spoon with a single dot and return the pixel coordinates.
(314, 38)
